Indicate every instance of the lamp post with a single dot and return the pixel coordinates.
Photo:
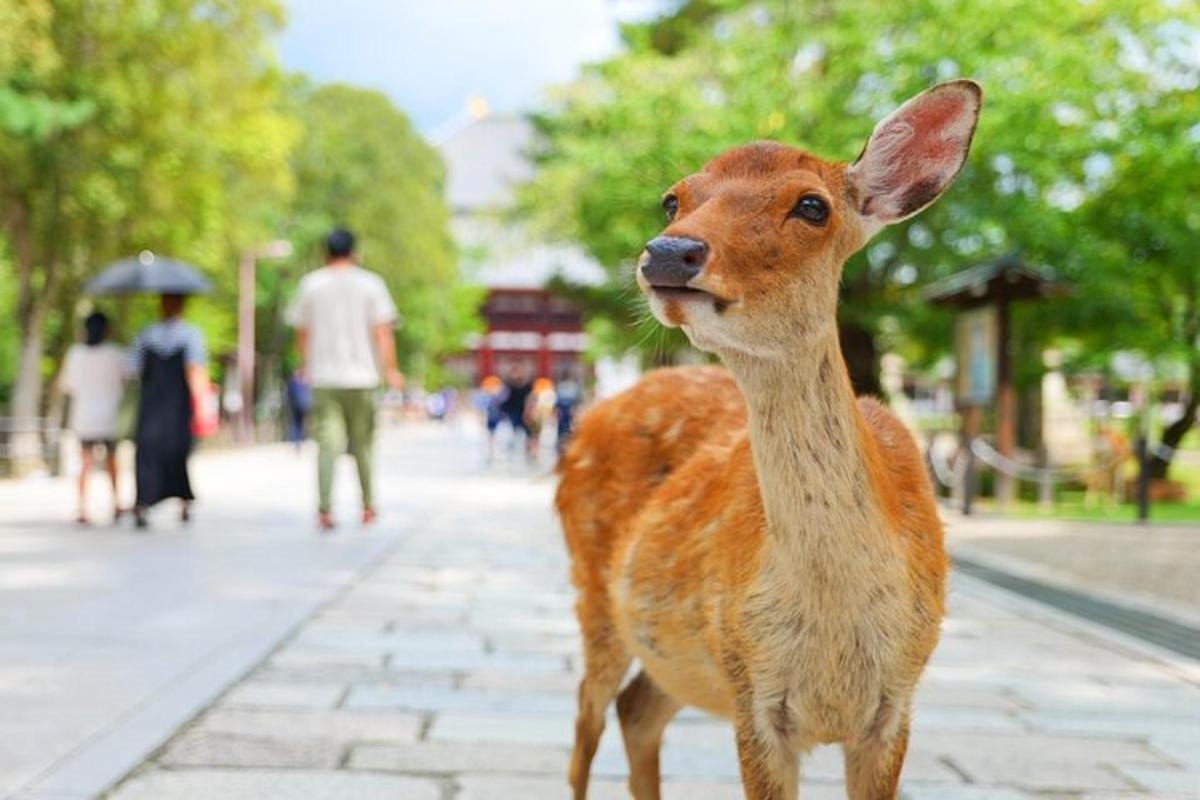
(280, 248)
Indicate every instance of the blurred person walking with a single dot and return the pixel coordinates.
(299, 396)
(488, 398)
(568, 396)
(539, 414)
(518, 387)
(170, 359)
(344, 320)
(92, 377)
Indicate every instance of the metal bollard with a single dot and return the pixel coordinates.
(1045, 490)
(970, 480)
(1143, 480)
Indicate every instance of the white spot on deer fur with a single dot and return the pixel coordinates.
(712, 527)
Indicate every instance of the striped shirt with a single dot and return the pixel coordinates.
(165, 338)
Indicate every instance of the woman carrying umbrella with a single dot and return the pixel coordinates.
(169, 357)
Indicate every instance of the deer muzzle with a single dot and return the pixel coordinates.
(673, 261)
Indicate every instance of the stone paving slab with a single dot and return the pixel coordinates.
(450, 670)
(293, 694)
(200, 748)
(451, 758)
(257, 784)
(341, 725)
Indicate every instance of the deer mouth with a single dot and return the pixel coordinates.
(680, 292)
(688, 294)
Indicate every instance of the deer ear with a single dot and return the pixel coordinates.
(915, 152)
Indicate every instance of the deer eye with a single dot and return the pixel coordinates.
(670, 204)
(811, 208)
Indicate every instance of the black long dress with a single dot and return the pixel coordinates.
(164, 430)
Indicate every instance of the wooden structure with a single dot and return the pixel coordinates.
(531, 328)
(486, 156)
(994, 286)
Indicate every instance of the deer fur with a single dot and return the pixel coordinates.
(763, 543)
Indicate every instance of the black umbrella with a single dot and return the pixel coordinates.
(148, 274)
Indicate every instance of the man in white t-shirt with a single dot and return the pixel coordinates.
(344, 320)
(92, 377)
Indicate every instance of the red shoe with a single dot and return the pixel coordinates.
(368, 516)
(325, 522)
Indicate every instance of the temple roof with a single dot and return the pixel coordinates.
(1006, 278)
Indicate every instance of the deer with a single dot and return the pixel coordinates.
(762, 542)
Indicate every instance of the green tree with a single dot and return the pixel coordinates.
(126, 126)
(1082, 100)
(1141, 290)
(361, 164)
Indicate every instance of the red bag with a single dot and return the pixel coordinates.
(205, 415)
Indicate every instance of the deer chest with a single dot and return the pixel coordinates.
(828, 647)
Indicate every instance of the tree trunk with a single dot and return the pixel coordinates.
(25, 446)
(862, 358)
(1174, 433)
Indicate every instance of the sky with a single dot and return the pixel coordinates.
(431, 56)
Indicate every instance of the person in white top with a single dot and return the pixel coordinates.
(344, 319)
(92, 377)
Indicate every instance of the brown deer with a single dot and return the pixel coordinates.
(764, 544)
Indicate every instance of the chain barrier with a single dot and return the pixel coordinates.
(949, 471)
(948, 474)
(960, 475)
(1015, 469)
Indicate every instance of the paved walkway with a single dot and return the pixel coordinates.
(110, 639)
(436, 657)
(1154, 566)
(448, 673)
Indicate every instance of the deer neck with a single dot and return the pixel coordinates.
(807, 442)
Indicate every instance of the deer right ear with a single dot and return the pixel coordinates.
(914, 154)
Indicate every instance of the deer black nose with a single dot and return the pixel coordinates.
(673, 260)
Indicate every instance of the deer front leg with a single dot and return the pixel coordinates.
(770, 768)
(873, 765)
(644, 711)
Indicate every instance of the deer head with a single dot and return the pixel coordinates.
(752, 254)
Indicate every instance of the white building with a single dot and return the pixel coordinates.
(486, 157)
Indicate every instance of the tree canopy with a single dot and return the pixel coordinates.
(1087, 155)
(126, 127)
(169, 126)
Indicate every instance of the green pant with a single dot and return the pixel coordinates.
(343, 419)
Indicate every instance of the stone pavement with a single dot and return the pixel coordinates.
(1154, 566)
(110, 639)
(447, 672)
